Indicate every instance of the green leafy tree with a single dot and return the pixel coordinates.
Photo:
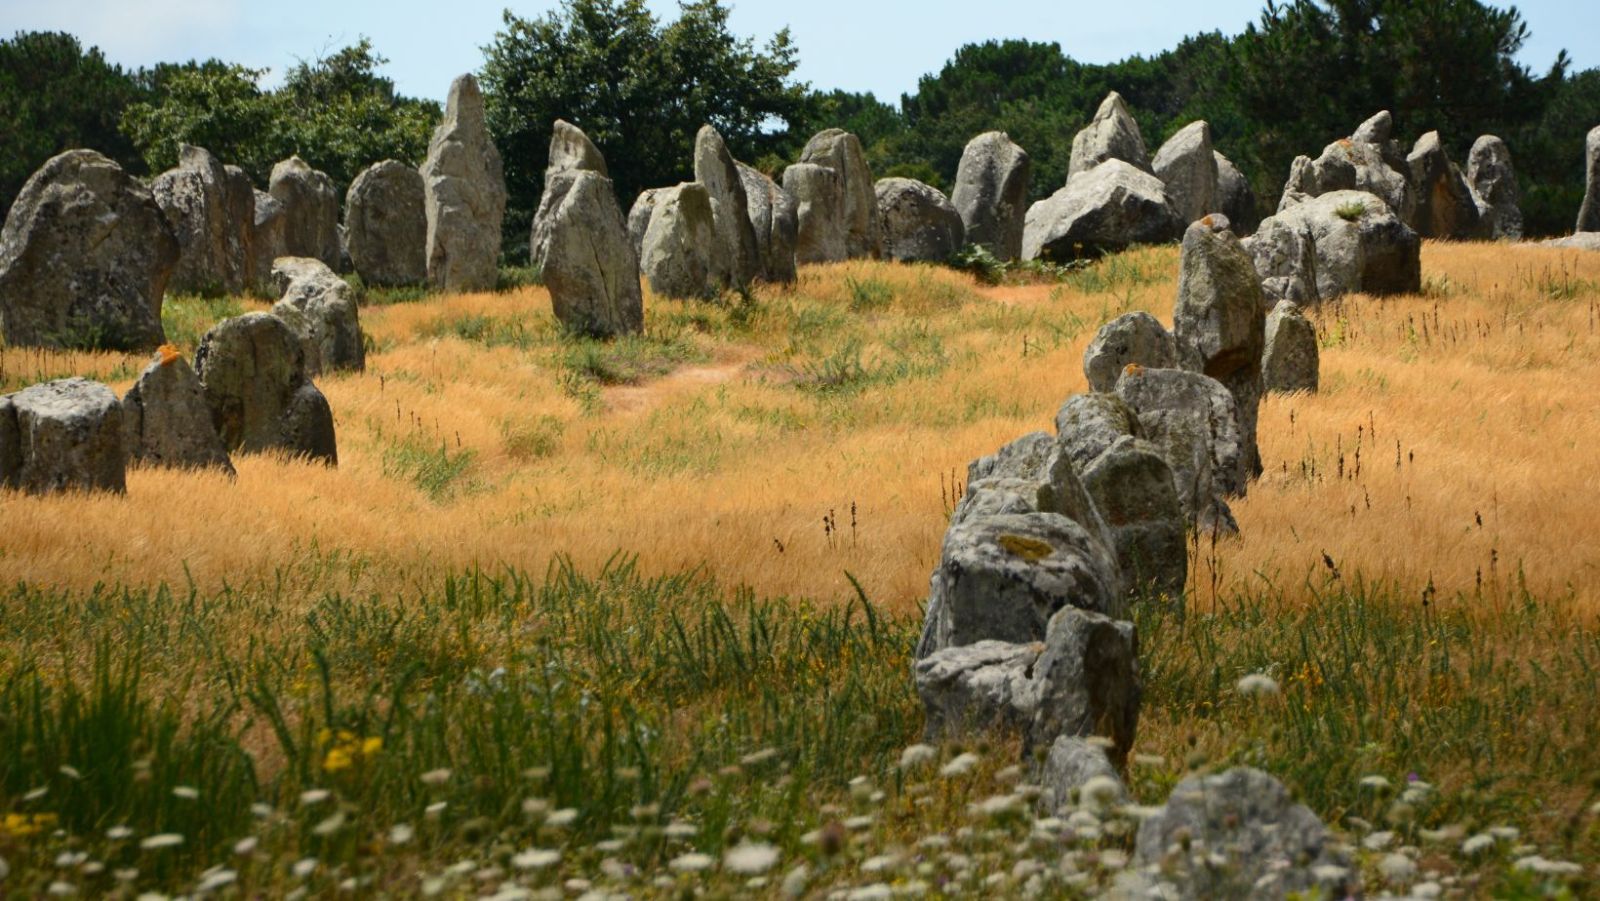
(55, 96)
(211, 104)
(639, 89)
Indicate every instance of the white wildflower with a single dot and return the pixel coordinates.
(260, 811)
(71, 772)
(314, 796)
(960, 766)
(1505, 833)
(758, 757)
(1102, 790)
(880, 863)
(1544, 867)
(330, 825)
(680, 829)
(860, 823)
(244, 847)
(401, 833)
(119, 833)
(1257, 685)
(217, 880)
(535, 859)
(1378, 841)
(1375, 783)
(691, 863)
(749, 858)
(1427, 890)
(1328, 872)
(874, 892)
(995, 806)
(186, 793)
(304, 867)
(61, 889)
(164, 840)
(1397, 869)
(1154, 761)
(794, 882)
(917, 755)
(36, 794)
(435, 777)
(432, 811)
(562, 818)
(1477, 844)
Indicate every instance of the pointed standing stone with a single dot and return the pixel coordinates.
(466, 195)
(212, 239)
(735, 261)
(1111, 135)
(1589, 213)
(1187, 165)
(1494, 187)
(589, 265)
(991, 193)
(571, 151)
(774, 216)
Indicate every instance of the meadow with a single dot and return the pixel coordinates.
(637, 616)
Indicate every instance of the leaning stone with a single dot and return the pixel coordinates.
(1235, 198)
(644, 206)
(166, 421)
(991, 193)
(679, 243)
(919, 224)
(1290, 361)
(1239, 834)
(1108, 208)
(1335, 244)
(321, 309)
(735, 261)
(213, 241)
(64, 435)
(775, 219)
(465, 195)
(1087, 682)
(974, 688)
(310, 210)
(253, 371)
(1445, 206)
(1187, 165)
(819, 213)
(1494, 188)
(84, 259)
(589, 266)
(571, 151)
(1217, 321)
(1134, 337)
(1192, 419)
(386, 225)
(1589, 213)
(1111, 135)
(841, 151)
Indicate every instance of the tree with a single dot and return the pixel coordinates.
(638, 89)
(55, 96)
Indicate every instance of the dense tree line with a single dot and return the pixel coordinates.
(1304, 74)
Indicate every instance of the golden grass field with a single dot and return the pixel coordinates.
(1453, 440)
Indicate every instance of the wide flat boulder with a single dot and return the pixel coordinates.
(1335, 244)
(1108, 208)
(64, 435)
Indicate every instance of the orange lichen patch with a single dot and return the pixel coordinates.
(1132, 369)
(168, 354)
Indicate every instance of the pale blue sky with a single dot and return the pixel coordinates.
(853, 44)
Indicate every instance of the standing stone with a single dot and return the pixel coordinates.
(735, 261)
(320, 307)
(1187, 165)
(571, 151)
(239, 214)
(1192, 419)
(819, 213)
(973, 688)
(1106, 209)
(253, 371)
(919, 223)
(639, 216)
(1235, 198)
(1111, 135)
(841, 151)
(991, 193)
(84, 259)
(212, 240)
(1378, 129)
(1445, 206)
(64, 435)
(1137, 338)
(1217, 321)
(1589, 213)
(1088, 682)
(1368, 161)
(589, 265)
(1290, 361)
(774, 217)
(386, 225)
(1335, 244)
(266, 239)
(1494, 188)
(310, 210)
(166, 421)
(465, 192)
(679, 245)
(1068, 767)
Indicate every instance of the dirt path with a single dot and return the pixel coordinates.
(638, 398)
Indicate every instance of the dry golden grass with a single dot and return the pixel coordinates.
(733, 460)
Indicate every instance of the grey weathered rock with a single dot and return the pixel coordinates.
(213, 240)
(1334, 244)
(1087, 425)
(1087, 682)
(1003, 577)
(1134, 337)
(819, 213)
(1589, 213)
(919, 223)
(644, 206)
(676, 254)
(1290, 360)
(976, 687)
(1376, 130)
(310, 210)
(321, 309)
(1192, 419)
(1494, 188)
(774, 217)
(1111, 135)
(991, 193)
(239, 216)
(1107, 208)
(571, 151)
(1133, 487)
(465, 193)
(1070, 764)
(1367, 161)
(1239, 834)
(1187, 165)
(266, 239)
(1217, 321)
(386, 225)
(841, 151)
(1445, 205)
(252, 368)
(735, 260)
(166, 421)
(84, 258)
(1038, 461)
(589, 264)
(1579, 241)
(64, 435)
(1235, 198)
